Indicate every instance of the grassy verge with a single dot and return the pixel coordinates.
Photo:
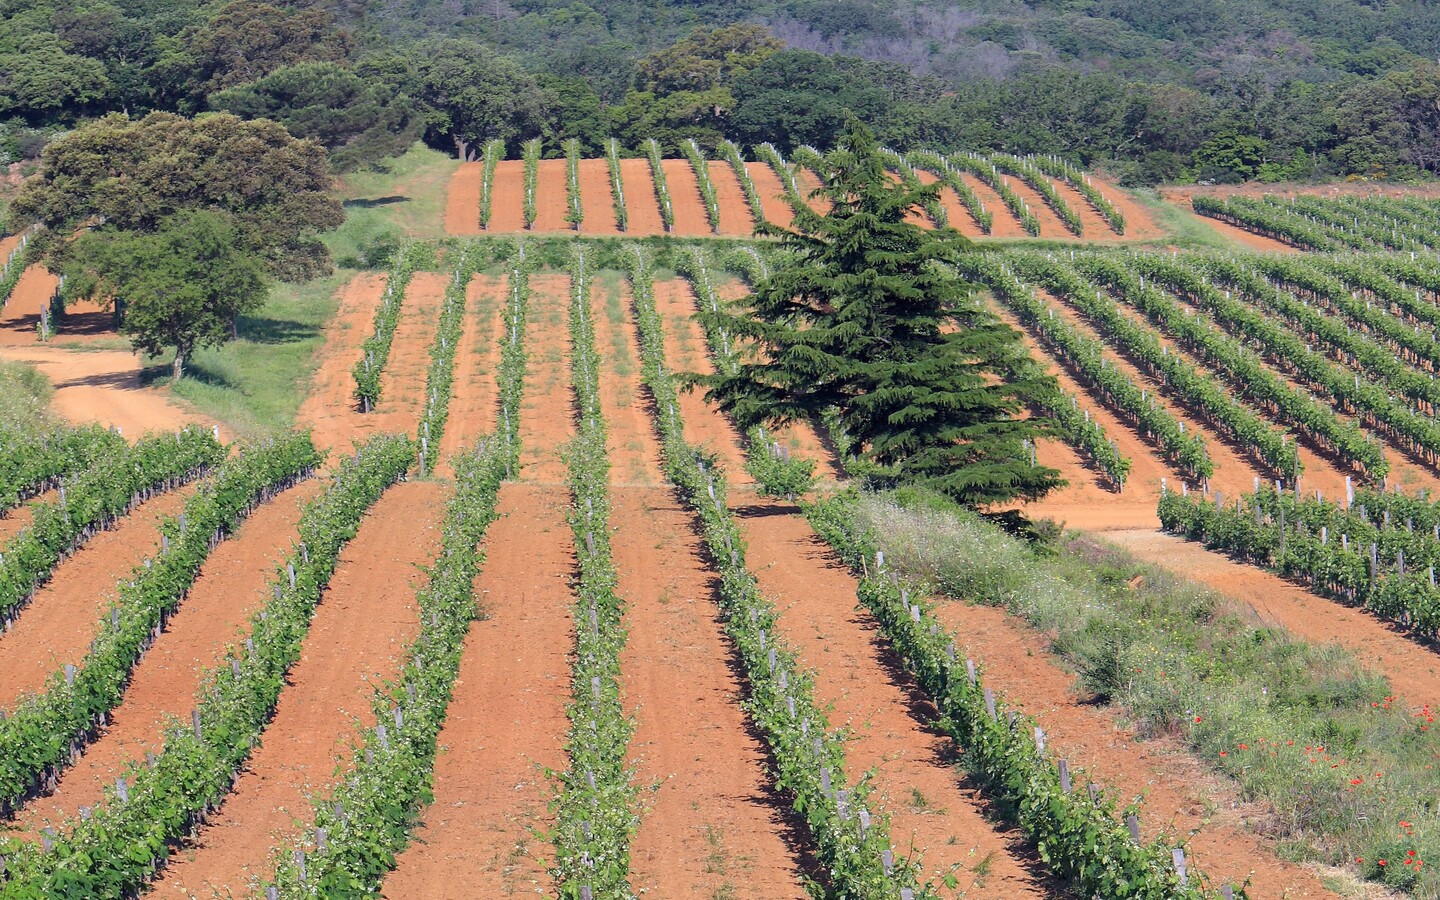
(1342, 761)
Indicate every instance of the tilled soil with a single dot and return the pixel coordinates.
(329, 408)
(462, 200)
(597, 202)
(474, 399)
(234, 582)
(59, 624)
(736, 218)
(355, 644)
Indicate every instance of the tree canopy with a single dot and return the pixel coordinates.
(134, 175)
(870, 323)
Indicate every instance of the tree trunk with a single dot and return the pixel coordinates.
(462, 148)
(177, 368)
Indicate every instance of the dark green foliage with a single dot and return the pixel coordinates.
(858, 324)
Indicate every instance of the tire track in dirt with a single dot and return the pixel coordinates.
(691, 219)
(507, 197)
(506, 723)
(547, 408)
(474, 401)
(59, 624)
(642, 209)
(736, 219)
(772, 195)
(552, 196)
(596, 200)
(329, 408)
(1383, 648)
(366, 618)
(1180, 795)
(462, 199)
(711, 821)
(929, 802)
(232, 584)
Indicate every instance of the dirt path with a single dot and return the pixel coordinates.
(104, 387)
(1003, 222)
(736, 220)
(365, 619)
(507, 197)
(233, 583)
(402, 384)
(462, 199)
(1088, 501)
(1378, 645)
(506, 723)
(552, 196)
(329, 405)
(642, 209)
(20, 317)
(59, 624)
(929, 802)
(690, 217)
(596, 200)
(474, 402)
(1051, 227)
(547, 407)
(772, 195)
(1180, 795)
(711, 826)
(625, 405)
(956, 213)
(1234, 473)
(685, 351)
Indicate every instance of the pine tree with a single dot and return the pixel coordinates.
(871, 321)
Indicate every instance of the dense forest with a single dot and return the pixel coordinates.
(1158, 91)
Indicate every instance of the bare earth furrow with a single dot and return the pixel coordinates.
(365, 619)
(507, 197)
(233, 583)
(329, 408)
(736, 219)
(641, 206)
(474, 402)
(690, 217)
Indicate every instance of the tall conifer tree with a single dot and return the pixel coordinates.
(872, 321)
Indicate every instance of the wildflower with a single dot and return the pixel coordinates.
(1197, 720)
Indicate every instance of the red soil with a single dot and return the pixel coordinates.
(1092, 226)
(810, 183)
(8, 243)
(736, 219)
(685, 351)
(104, 387)
(402, 385)
(690, 217)
(1180, 796)
(462, 199)
(882, 709)
(233, 583)
(956, 213)
(711, 821)
(59, 624)
(552, 196)
(1003, 224)
(506, 723)
(20, 318)
(596, 200)
(630, 445)
(329, 405)
(1050, 225)
(772, 194)
(474, 401)
(1378, 645)
(1088, 501)
(355, 642)
(642, 209)
(507, 197)
(547, 409)
(19, 518)
(1140, 224)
